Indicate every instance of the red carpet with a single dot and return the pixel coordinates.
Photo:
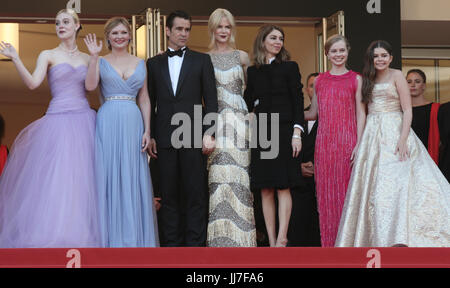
(227, 257)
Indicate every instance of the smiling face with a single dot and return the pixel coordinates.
(381, 59)
(338, 53)
(416, 84)
(273, 43)
(178, 35)
(222, 34)
(119, 37)
(65, 26)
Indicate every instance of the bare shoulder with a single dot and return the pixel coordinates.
(243, 54)
(107, 57)
(245, 59)
(396, 74)
(135, 59)
(46, 55)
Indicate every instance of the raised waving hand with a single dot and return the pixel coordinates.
(8, 50)
(93, 46)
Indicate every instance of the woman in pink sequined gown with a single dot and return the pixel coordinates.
(337, 102)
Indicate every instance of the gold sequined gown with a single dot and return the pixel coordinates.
(390, 202)
(231, 219)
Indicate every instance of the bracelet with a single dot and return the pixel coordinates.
(296, 136)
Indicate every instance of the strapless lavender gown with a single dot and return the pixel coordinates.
(47, 190)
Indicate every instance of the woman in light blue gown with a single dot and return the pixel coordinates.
(127, 213)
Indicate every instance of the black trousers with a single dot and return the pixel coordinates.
(304, 225)
(184, 203)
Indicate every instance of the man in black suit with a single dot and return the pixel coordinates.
(179, 81)
(304, 226)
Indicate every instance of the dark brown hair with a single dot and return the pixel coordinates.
(369, 72)
(259, 55)
(315, 74)
(178, 13)
(420, 72)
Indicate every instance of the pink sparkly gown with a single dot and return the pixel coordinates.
(336, 138)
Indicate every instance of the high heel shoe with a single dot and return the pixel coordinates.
(283, 243)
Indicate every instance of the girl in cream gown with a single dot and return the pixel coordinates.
(397, 196)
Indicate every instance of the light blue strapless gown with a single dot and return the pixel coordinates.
(127, 214)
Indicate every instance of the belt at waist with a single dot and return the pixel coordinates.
(121, 97)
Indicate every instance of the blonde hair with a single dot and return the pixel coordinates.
(259, 50)
(333, 40)
(74, 15)
(113, 23)
(214, 22)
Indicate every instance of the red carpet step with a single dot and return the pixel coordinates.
(226, 258)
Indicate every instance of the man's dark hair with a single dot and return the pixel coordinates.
(311, 75)
(175, 14)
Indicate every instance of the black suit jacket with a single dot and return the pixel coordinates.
(278, 89)
(196, 86)
(309, 141)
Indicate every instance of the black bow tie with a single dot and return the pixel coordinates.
(179, 52)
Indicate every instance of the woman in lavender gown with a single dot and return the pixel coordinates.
(47, 190)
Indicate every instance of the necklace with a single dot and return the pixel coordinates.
(72, 52)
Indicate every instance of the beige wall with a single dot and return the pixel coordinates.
(425, 10)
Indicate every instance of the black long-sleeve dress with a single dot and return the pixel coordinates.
(444, 129)
(275, 88)
(421, 122)
(421, 126)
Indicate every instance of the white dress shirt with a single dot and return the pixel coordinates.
(311, 125)
(175, 64)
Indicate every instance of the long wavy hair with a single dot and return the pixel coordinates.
(259, 51)
(369, 72)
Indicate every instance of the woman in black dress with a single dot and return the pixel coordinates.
(425, 113)
(431, 121)
(274, 89)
